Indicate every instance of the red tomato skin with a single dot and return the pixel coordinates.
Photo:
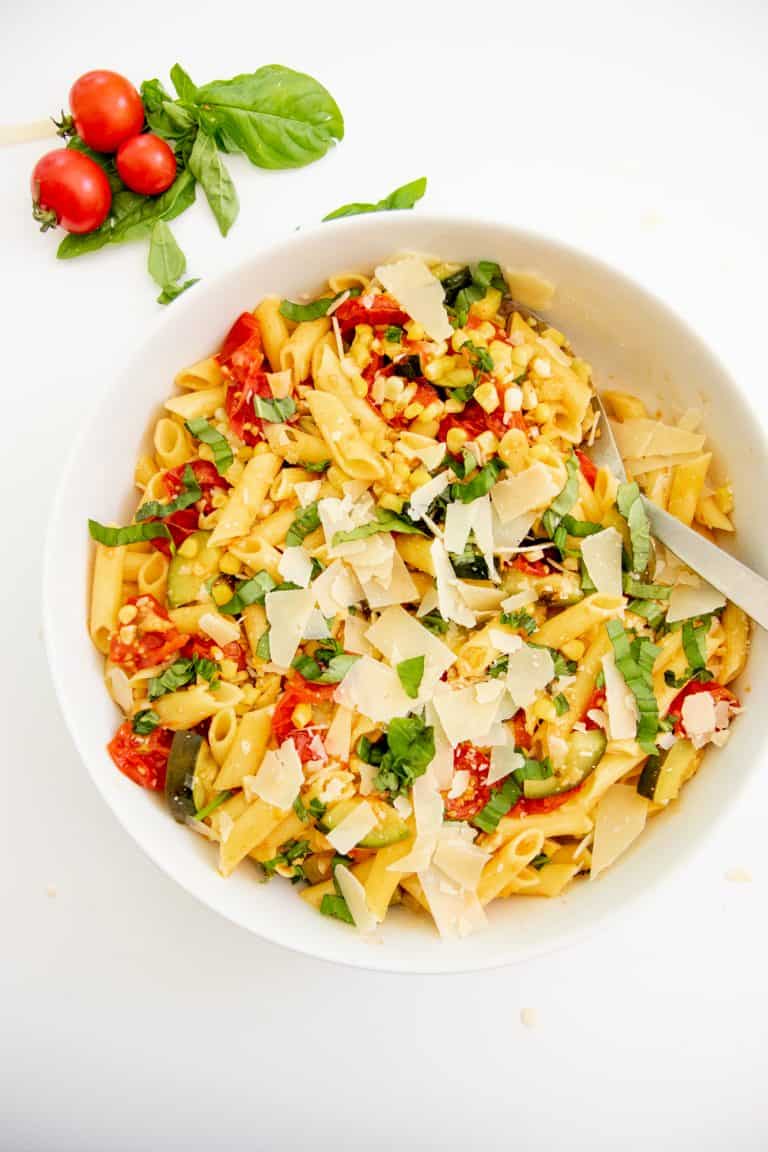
(587, 468)
(308, 740)
(106, 109)
(383, 310)
(203, 646)
(530, 567)
(245, 327)
(71, 186)
(146, 164)
(596, 700)
(143, 759)
(155, 638)
(692, 688)
(477, 793)
(183, 523)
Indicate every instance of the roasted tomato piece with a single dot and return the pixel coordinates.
(147, 639)
(244, 330)
(381, 310)
(596, 701)
(309, 737)
(240, 409)
(144, 759)
(530, 567)
(477, 793)
(207, 477)
(587, 468)
(203, 647)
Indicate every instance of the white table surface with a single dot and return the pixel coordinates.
(130, 1016)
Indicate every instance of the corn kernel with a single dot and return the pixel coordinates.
(425, 427)
(513, 449)
(228, 669)
(456, 439)
(544, 709)
(128, 633)
(522, 355)
(453, 405)
(189, 547)
(229, 564)
(573, 650)
(437, 368)
(513, 398)
(302, 714)
(400, 467)
(488, 306)
(415, 331)
(542, 413)
(502, 357)
(419, 477)
(221, 592)
(388, 410)
(127, 613)
(488, 443)
(530, 396)
(413, 410)
(433, 411)
(459, 338)
(487, 396)
(542, 367)
(205, 452)
(392, 502)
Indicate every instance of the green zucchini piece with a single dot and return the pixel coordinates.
(661, 780)
(186, 574)
(390, 826)
(585, 751)
(180, 775)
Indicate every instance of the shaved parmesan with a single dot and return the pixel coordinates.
(296, 566)
(399, 588)
(354, 894)
(338, 738)
(461, 861)
(398, 636)
(644, 437)
(459, 785)
(519, 600)
(428, 814)
(426, 494)
(480, 597)
(449, 600)
(531, 490)
(506, 642)
(509, 536)
(620, 818)
(654, 463)
(430, 452)
(503, 761)
(402, 806)
(699, 718)
(374, 690)
(441, 767)
(602, 558)
(375, 561)
(530, 289)
(287, 614)
(529, 670)
(336, 589)
(353, 828)
(482, 526)
(316, 627)
(120, 687)
(280, 776)
(620, 703)
(686, 601)
(456, 913)
(419, 293)
(463, 716)
(428, 602)
(221, 629)
(355, 640)
(458, 525)
(307, 491)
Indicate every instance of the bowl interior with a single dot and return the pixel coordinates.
(632, 341)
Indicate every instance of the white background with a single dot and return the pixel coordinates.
(131, 1017)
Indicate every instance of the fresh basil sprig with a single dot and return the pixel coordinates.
(209, 170)
(113, 537)
(403, 197)
(167, 263)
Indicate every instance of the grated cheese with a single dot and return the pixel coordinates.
(419, 293)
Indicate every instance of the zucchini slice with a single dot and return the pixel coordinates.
(180, 775)
(390, 826)
(585, 751)
(661, 780)
(186, 574)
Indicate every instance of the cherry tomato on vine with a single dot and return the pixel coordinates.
(68, 188)
(106, 109)
(146, 164)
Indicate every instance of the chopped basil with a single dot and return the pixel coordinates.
(329, 664)
(307, 519)
(401, 755)
(434, 622)
(539, 861)
(334, 905)
(262, 648)
(299, 313)
(634, 660)
(453, 284)
(630, 505)
(600, 680)
(132, 533)
(480, 358)
(643, 591)
(145, 722)
(587, 584)
(274, 411)
(386, 521)
(316, 465)
(393, 334)
(561, 704)
(411, 672)
(507, 795)
(499, 667)
(484, 275)
(190, 494)
(207, 434)
(462, 465)
(181, 673)
(480, 484)
(403, 197)
(579, 528)
(694, 640)
(290, 853)
(214, 804)
(703, 675)
(520, 619)
(407, 367)
(469, 564)
(566, 498)
(315, 808)
(248, 592)
(651, 611)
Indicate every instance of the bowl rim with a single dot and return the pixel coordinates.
(376, 959)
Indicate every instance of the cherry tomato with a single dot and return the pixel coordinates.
(693, 688)
(308, 740)
(146, 164)
(240, 410)
(244, 328)
(106, 109)
(477, 793)
(382, 310)
(183, 523)
(203, 646)
(149, 639)
(596, 700)
(70, 189)
(143, 759)
(530, 567)
(544, 804)
(522, 737)
(588, 469)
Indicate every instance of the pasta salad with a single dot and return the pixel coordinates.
(381, 628)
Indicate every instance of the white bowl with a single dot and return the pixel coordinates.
(631, 339)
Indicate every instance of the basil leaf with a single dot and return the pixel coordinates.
(315, 808)
(469, 564)
(181, 673)
(561, 704)
(298, 313)
(274, 411)
(635, 663)
(565, 499)
(484, 275)
(434, 622)
(171, 291)
(185, 88)
(277, 117)
(250, 591)
(393, 334)
(539, 861)
(209, 169)
(499, 668)
(520, 619)
(410, 748)
(646, 591)
(335, 668)
(579, 528)
(502, 800)
(262, 648)
(480, 358)
(306, 520)
(154, 97)
(694, 639)
(480, 484)
(132, 217)
(218, 443)
(403, 197)
(166, 262)
(190, 494)
(315, 465)
(630, 505)
(145, 722)
(410, 673)
(651, 611)
(386, 521)
(131, 534)
(214, 804)
(334, 905)
(453, 284)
